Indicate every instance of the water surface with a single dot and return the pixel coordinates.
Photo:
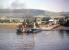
(45, 40)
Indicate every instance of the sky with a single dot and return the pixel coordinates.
(49, 5)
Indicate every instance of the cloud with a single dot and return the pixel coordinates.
(50, 5)
(5, 3)
(16, 4)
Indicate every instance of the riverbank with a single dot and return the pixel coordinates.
(49, 27)
(42, 27)
(9, 25)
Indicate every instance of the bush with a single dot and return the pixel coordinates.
(4, 21)
(15, 21)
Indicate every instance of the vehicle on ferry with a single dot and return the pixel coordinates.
(26, 28)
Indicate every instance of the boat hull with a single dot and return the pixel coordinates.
(29, 31)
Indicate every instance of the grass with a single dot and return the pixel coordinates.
(9, 25)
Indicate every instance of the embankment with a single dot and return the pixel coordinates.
(51, 27)
(9, 25)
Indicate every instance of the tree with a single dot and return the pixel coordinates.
(15, 21)
(46, 19)
(64, 21)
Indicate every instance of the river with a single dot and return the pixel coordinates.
(44, 40)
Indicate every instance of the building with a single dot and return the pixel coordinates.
(39, 18)
(56, 19)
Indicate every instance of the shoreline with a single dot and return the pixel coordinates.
(14, 26)
(47, 28)
(42, 27)
(9, 25)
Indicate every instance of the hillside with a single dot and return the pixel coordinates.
(29, 12)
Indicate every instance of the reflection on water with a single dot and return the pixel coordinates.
(45, 40)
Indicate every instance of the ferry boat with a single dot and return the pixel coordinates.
(21, 29)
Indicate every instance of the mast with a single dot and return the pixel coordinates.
(34, 25)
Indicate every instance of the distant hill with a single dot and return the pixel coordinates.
(21, 12)
(29, 12)
(64, 13)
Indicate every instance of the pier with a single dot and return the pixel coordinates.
(51, 27)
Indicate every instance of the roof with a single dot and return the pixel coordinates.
(51, 20)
